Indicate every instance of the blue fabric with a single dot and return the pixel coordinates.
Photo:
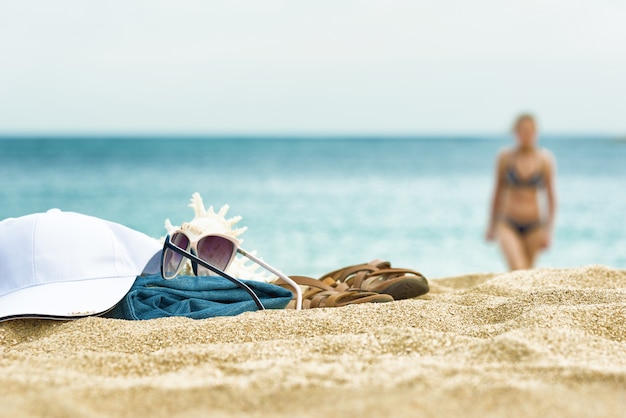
(195, 297)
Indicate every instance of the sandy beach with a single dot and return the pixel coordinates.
(545, 342)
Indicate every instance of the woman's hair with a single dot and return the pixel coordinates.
(523, 118)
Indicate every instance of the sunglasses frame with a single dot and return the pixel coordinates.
(169, 245)
(193, 248)
(237, 250)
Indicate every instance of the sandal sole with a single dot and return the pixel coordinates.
(406, 289)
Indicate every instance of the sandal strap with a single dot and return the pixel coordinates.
(378, 276)
(329, 293)
(350, 273)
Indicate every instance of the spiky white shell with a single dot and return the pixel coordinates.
(208, 221)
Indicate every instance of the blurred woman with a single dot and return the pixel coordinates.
(524, 174)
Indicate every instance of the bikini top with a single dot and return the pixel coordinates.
(515, 180)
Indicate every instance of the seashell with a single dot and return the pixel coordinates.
(208, 221)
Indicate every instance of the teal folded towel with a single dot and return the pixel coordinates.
(196, 297)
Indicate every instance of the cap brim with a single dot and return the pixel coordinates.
(65, 300)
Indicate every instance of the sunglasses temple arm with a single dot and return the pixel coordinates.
(278, 273)
(239, 283)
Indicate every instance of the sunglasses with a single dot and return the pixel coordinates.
(212, 253)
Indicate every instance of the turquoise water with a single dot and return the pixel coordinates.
(315, 204)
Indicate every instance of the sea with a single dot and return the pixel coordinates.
(315, 204)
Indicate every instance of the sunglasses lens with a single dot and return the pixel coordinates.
(217, 251)
(171, 259)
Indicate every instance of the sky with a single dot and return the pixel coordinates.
(323, 67)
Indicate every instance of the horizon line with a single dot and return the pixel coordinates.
(289, 135)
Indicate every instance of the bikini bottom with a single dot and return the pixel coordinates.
(522, 228)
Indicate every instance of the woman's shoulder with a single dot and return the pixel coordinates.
(506, 152)
(547, 161)
(546, 155)
(504, 158)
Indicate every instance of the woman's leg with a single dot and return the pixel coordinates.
(513, 247)
(533, 244)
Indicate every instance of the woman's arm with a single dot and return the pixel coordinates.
(550, 176)
(496, 200)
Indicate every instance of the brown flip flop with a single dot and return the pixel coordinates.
(330, 293)
(378, 276)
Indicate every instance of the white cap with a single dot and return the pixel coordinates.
(65, 264)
